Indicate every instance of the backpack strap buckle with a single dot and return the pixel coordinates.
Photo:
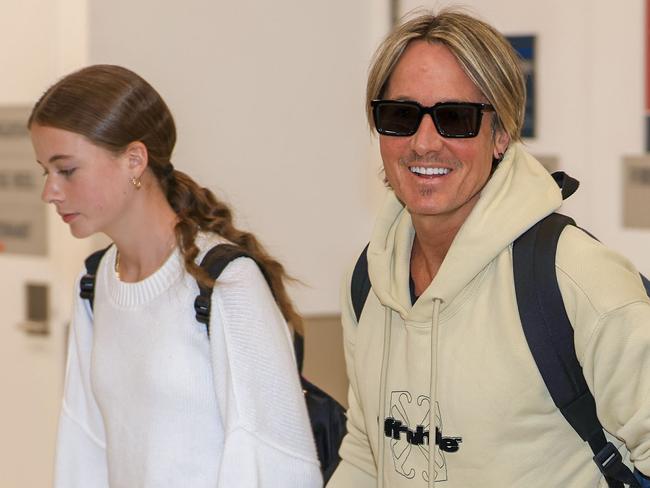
(87, 282)
(87, 286)
(202, 308)
(608, 460)
(610, 463)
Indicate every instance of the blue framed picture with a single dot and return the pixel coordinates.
(525, 47)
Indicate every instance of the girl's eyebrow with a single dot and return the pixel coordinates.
(56, 157)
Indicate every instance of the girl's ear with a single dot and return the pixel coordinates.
(137, 157)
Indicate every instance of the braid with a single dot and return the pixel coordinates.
(198, 209)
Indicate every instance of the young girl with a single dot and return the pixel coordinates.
(150, 400)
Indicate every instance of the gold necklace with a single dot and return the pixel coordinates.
(117, 264)
(117, 258)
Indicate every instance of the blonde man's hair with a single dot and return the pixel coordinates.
(486, 56)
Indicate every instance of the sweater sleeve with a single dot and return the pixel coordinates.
(610, 313)
(268, 438)
(357, 468)
(80, 452)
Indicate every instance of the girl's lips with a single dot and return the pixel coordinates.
(67, 218)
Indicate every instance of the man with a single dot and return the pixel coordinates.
(439, 353)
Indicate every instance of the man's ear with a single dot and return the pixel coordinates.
(501, 143)
(137, 157)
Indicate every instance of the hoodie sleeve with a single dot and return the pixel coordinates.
(268, 438)
(610, 312)
(81, 449)
(357, 468)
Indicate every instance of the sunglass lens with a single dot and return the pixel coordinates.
(457, 120)
(397, 118)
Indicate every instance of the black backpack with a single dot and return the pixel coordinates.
(548, 332)
(326, 415)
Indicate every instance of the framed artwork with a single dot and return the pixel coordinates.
(525, 47)
(647, 76)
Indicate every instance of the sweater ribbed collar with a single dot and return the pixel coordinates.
(132, 295)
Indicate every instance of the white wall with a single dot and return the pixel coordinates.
(590, 72)
(268, 100)
(41, 40)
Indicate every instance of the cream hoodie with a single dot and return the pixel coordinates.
(457, 359)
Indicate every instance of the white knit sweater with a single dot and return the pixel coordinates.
(151, 402)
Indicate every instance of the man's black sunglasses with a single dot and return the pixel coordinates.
(452, 119)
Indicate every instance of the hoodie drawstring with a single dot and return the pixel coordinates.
(388, 318)
(433, 389)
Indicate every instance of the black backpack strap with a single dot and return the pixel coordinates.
(299, 349)
(214, 262)
(549, 335)
(567, 184)
(360, 284)
(646, 284)
(87, 283)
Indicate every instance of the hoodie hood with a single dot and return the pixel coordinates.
(519, 193)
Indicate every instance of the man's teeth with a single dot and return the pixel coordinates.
(420, 170)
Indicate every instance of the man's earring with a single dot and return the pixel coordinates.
(496, 161)
(136, 182)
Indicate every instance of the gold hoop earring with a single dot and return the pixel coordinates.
(136, 182)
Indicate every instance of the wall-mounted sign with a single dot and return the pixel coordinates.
(636, 191)
(525, 47)
(23, 224)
